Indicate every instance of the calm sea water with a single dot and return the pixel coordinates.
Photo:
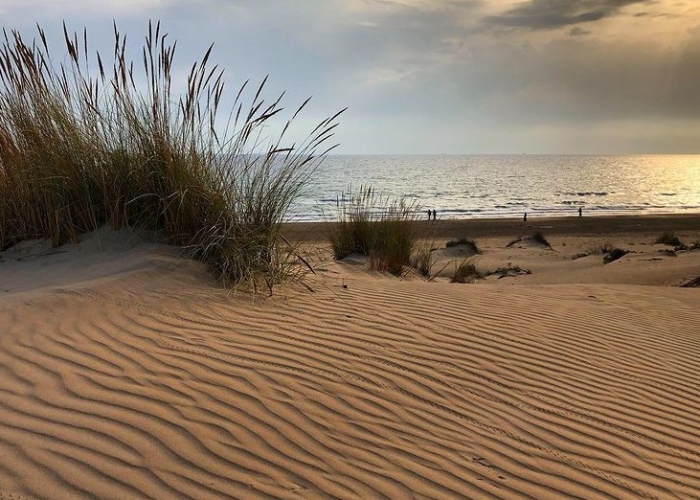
(509, 185)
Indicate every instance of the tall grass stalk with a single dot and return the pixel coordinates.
(423, 260)
(376, 226)
(83, 144)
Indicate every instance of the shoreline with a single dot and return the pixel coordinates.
(588, 225)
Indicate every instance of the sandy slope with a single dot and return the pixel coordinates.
(575, 260)
(151, 383)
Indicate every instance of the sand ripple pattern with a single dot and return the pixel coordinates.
(385, 389)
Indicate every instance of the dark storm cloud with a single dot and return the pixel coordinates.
(551, 14)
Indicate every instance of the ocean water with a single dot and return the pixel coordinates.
(464, 186)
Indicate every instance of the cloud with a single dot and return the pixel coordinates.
(437, 75)
(552, 14)
(69, 8)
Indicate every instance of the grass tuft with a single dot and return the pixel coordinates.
(669, 238)
(82, 148)
(603, 249)
(464, 242)
(509, 271)
(614, 254)
(539, 238)
(373, 225)
(465, 272)
(423, 260)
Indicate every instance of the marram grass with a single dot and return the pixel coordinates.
(83, 144)
(373, 225)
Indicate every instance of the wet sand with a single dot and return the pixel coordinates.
(588, 225)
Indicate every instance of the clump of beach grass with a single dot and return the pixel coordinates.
(423, 259)
(376, 226)
(464, 242)
(465, 272)
(614, 254)
(537, 237)
(83, 144)
(601, 249)
(509, 271)
(670, 239)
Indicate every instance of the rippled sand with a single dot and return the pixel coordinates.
(150, 382)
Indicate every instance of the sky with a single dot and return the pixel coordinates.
(436, 76)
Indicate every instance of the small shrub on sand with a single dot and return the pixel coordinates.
(594, 250)
(376, 226)
(423, 259)
(614, 254)
(82, 148)
(509, 271)
(670, 239)
(603, 249)
(465, 272)
(694, 283)
(464, 242)
(539, 238)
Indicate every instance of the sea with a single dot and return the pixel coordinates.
(468, 186)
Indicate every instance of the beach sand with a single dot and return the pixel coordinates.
(127, 373)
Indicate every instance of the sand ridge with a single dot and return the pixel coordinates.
(156, 384)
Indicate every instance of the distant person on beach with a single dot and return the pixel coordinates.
(525, 217)
(429, 213)
(580, 212)
(434, 214)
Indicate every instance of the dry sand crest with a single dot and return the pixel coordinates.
(144, 380)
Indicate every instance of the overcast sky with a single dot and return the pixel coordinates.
(439, 76)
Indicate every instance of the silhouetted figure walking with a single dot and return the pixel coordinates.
(580, 212)
(429, 214)
(434, 214)
(525, 217)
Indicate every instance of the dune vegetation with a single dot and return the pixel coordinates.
(376, 226)
(83, 144)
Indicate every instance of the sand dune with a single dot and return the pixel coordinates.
(152, 383)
